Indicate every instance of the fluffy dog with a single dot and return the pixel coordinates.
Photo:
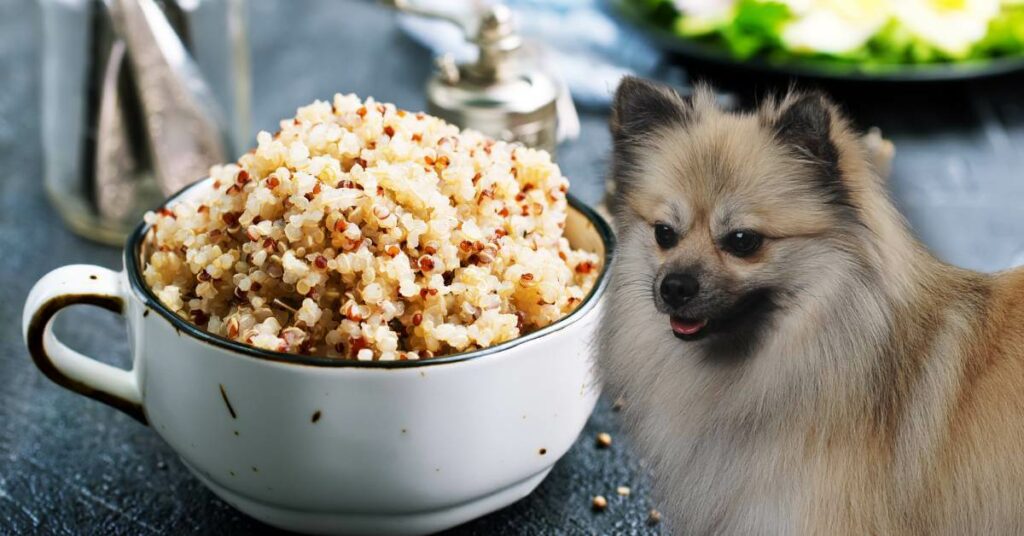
(793, 360)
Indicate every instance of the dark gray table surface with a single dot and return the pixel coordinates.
(70, 465)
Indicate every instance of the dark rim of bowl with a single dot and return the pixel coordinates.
(132, 259)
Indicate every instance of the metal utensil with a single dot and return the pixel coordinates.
(185, 129)
(119, 175)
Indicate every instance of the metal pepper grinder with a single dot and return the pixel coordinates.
(502, 94)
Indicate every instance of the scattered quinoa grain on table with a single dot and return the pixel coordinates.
(599, 503)
(362, 231)
(623, 491)
(654, 517)
(604, 440)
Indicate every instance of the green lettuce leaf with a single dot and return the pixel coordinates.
(757, 26)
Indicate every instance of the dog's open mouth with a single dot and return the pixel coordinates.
(688, 329)
(744, 318)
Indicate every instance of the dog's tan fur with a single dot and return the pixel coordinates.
(885, 396)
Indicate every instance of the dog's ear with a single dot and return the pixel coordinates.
(805, 124)
(642, 106)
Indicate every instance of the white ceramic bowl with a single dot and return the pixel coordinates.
(329, 446)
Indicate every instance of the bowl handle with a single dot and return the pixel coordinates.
(70, 285)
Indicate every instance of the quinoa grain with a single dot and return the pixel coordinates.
(359, 231)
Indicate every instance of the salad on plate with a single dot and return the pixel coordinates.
(868, 33)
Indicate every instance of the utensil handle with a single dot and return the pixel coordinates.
(71, 285)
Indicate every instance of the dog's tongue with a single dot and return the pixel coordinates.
(687, 327)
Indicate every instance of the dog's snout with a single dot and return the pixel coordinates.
(677, 289)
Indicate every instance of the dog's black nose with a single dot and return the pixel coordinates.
(677, 289)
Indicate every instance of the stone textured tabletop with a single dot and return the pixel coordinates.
(70, 465)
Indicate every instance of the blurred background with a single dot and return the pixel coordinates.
(107, 107)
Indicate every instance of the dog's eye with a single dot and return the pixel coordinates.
(665, 236)
(742, 243)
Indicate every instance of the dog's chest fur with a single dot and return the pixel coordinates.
(723, 474)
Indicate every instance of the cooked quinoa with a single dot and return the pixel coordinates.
(362, 231)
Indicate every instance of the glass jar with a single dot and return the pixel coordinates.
(92, 121)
